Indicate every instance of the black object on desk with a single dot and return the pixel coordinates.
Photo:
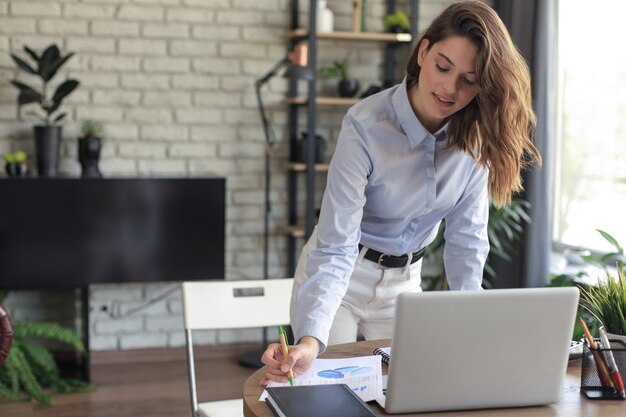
(590, 381)
(317, 401)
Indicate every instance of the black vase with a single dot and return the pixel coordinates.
(348, 88)
(15, 170)
(89, 155)
(48, 149)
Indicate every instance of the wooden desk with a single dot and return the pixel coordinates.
(572, 404)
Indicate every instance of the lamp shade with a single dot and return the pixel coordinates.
(299, 72)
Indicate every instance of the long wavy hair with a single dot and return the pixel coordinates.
(497, 126)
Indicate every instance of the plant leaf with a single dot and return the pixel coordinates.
(24, 66)
(27, 94)
(611, 240)
(59, 117)
(20, 85)
(26, 97)
(32, 53)
(27, 378)
(50, 55)
(54, 67)
(64, 89)
(48, 330)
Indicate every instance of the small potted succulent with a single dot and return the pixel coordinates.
(346, 87)
(48, 133)
(15, 164)
(397, 22)
(89, 146)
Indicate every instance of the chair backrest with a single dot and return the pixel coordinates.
(214, 305)
(236, 304)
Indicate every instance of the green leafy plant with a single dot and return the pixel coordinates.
(507, 221)
(602, 261)
(339, 69)
(92, 129)
(594, 320)
(607, 301)
(46, 67)
(18, 157)
(568, 280)
(397, 21)
(30, 371)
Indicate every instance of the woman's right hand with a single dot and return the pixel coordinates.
(299, 359)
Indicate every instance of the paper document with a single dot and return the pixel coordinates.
(363, 374)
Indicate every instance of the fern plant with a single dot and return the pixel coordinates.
(504, 227)
(30, 371)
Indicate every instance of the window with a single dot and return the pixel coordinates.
(591, 170)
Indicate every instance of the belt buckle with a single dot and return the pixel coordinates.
(380, 261)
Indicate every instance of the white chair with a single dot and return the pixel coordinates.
(214, 305)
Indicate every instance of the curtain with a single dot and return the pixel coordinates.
(532, 25)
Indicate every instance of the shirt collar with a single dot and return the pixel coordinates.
(413, 128)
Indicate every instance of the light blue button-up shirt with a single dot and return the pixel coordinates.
(390, 183)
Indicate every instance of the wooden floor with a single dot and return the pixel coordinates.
(146, 383)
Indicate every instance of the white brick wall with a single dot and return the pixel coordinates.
(172, 81)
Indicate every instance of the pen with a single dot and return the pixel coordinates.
(610, 361)
(603, 372)
(283, 344)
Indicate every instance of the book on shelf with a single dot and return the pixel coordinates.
(317, 401)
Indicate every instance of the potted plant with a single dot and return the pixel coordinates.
(607, 301)
(347, 87)
(89, 146)
(30, 366)
(48, 134)
(504, 227)
(397, 22)
(15, 164)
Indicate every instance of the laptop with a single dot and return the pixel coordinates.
(459, 350)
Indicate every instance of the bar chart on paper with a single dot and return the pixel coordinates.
(362, 374)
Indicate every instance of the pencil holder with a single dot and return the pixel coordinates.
(591, 381)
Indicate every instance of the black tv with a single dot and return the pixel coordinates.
(59, 233)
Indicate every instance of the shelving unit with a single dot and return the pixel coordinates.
(301, 226)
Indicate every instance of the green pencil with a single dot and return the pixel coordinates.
(283, 344)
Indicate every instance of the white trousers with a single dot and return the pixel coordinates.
(369, 304)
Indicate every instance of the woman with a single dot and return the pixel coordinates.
(455, 131)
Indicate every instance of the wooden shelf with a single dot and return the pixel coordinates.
(301, 167)
(355, 36)
(325, 101)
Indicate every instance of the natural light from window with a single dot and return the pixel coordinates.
(591, 172)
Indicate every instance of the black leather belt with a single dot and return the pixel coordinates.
(385, 260)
